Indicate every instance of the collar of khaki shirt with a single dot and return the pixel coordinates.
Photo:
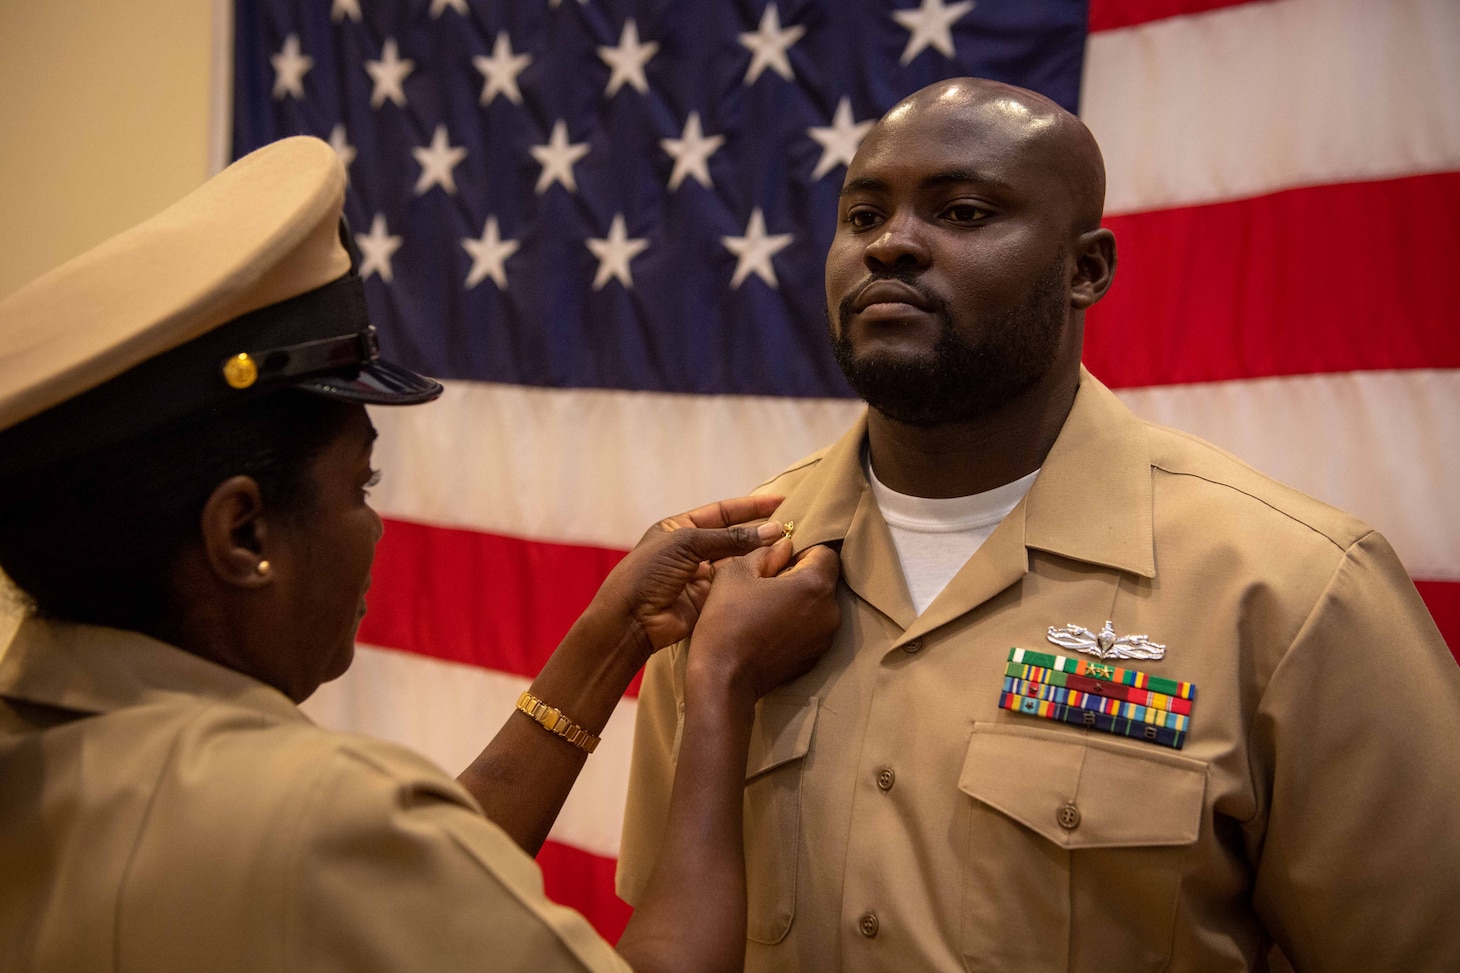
(1091, 502)
(90, 669)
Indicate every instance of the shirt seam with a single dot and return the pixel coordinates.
(807, 463)
(528, 906)
(314, 792)
(1266, 503)
(142, 826)
(348, 756)
(1308, 622)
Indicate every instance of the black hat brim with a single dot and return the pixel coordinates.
(376, 383)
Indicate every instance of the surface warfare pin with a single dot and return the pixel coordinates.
(1105, 644)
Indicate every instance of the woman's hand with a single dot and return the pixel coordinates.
(659, 588)
(651, 599)
(764, 623)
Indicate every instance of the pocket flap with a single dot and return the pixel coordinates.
(1121, 796)
(782, 733)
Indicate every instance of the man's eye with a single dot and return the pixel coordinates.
(965, 213)
(374, 481)
(861, 219)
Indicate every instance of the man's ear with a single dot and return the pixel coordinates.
(235, 535)
(1094, 267)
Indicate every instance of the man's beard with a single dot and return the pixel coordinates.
(959, 381)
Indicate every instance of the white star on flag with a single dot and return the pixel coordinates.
(340, 142)
(558, 158)
(839, 143)
(489, 255)
(340, 9)
(628, 60)
(768, 45)
(377, 247)
(389, 73)
(615, 253)
(438, 7)
(437, 162)
(691, 152)
(755, 251)
(289, 68)
(931, 25)
(501, 70)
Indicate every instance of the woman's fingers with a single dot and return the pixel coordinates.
(724, 513)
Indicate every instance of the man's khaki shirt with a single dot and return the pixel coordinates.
(898, 819)
(161, 813)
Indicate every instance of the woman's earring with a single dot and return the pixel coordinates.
(263, 568)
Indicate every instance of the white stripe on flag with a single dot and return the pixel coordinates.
(387, 694)
(1379, 445)
(617, 461)
(1261, 97)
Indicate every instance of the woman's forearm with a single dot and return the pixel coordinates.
(692, 915)
(523, 776)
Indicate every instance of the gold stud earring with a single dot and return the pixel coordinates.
(263, 568)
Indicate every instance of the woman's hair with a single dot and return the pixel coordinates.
(94, 539)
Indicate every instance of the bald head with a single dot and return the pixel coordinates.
(1032, 129)
(968, 247)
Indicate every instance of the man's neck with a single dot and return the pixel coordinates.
(962, 458)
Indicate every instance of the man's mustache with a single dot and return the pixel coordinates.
(936, 304)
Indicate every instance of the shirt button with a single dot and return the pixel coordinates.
(913, 646)
(868, 925)
(886, 777)
(1069, 817)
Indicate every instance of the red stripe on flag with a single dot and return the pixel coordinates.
(482, 599)
(1442, 598)
(1295, 283)
(1110, 14)
(584, 882)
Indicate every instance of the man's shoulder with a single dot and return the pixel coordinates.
(1225, 483)
(790, 477)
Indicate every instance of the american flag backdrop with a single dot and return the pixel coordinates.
(602, 224)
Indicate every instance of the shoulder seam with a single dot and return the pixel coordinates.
(293, 916)
(146, 820)
(1266, 503)
(1288, 649)
(809, 461)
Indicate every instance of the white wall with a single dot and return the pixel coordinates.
(104, 112)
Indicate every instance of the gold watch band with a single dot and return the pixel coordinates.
(556, 721)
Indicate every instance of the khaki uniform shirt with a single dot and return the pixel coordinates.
(898, 819)
(159, 812)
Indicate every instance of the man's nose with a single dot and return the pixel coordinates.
(898, 244)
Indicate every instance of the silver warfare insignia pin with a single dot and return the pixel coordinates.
(1105, 644)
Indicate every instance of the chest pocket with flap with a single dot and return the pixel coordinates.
(1074, 849)
(779, 742)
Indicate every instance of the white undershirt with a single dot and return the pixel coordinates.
(934, 537)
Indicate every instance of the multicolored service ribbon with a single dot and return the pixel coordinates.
(1098, 695)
